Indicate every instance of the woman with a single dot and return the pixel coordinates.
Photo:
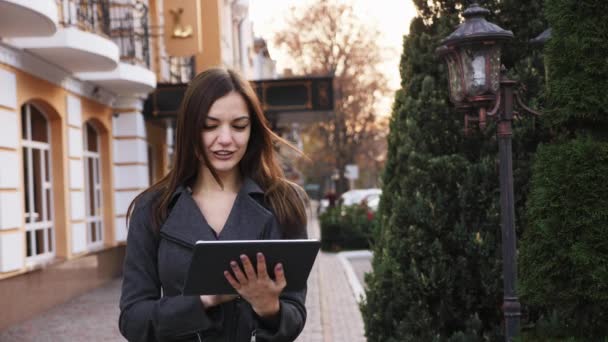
(226, 184)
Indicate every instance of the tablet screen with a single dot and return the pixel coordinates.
(211, 258)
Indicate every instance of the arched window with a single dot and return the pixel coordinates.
(38, 191)
(92, 177)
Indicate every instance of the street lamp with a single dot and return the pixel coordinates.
(476, 83)
(472, 53)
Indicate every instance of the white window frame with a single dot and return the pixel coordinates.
(97, 216)
(47, 224)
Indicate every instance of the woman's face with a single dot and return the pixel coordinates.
(226, 132)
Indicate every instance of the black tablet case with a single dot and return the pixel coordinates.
(211, 258)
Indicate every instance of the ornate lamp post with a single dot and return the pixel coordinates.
(472, 54)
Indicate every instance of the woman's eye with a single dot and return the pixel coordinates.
(207, 127)
(240, 127)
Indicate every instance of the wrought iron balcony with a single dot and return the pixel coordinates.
(87, 15)
(82, 40)
(180, 69)
(130, 31)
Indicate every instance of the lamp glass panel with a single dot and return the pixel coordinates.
(494, 57)
(455, 78)
(479, 70)
(474, 66)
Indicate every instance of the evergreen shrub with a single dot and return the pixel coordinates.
(577, 64)
(564, 252)
(437, 268)
(345, 227)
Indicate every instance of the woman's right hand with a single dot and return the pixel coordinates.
(210, 301)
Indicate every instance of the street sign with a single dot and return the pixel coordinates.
(351, 171)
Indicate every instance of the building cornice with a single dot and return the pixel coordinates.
(40, 68)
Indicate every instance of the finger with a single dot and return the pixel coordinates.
(227, 298)
(235, 284)
(280, 276)
(262, 272)
(248, 267)
(238, 274)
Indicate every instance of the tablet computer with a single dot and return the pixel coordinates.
(211, 258)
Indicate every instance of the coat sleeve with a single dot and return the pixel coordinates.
(292, 314)
(145, 315)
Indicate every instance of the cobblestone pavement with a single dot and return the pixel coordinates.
(333, 313)
(90, 317)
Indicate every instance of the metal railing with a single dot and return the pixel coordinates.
(181, 69)
(123, 21)
(130, 31)
(87, 15)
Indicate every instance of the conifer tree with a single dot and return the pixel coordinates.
(564, 252)
(437, 272)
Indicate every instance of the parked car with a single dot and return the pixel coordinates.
(356, 196)
(372, 202)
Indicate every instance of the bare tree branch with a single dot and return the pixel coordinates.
(326, 37)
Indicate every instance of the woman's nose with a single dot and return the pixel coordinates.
(225, 136)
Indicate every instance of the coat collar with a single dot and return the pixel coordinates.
(247, 220)
(249, 187)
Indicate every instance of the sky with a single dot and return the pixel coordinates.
(391, 17)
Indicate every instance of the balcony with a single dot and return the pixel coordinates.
(177, 70)
(41, 17)
(129, 30)
(82, 43)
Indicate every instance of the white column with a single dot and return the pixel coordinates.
(130, 159)
(77, 192)
(12, 253)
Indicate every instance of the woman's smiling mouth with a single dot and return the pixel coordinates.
(223, 154)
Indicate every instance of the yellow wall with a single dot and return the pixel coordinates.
(211, 22)
(157, 139)
(52, 100)
(155, 38)
(211, 55)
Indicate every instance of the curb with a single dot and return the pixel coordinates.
(353, 281)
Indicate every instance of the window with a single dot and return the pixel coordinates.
(36, 148)
(92, 177)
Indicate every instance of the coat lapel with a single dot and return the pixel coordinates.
(247, 220)
(186, 222)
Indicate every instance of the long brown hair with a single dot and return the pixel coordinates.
(260, 162)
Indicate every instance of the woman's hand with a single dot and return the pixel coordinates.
(258, 288)
(213, 300)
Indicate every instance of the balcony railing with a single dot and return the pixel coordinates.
(181, 69)
(87, 15)
(130, 31)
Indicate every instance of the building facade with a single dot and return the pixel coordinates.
(75, 145)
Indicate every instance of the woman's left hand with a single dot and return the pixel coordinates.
(258, 288)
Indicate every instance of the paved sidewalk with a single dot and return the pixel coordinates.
(90, 317)
(333, 313)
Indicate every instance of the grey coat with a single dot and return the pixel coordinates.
(152, 307)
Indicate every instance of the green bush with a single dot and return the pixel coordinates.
(345, 228)
(578, 69)
(564, 252)
(437, 271)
